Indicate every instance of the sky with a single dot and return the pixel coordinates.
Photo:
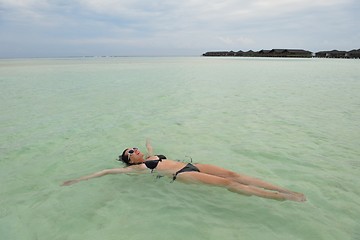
(64, 28)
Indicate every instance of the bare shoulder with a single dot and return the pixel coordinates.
(134, 168)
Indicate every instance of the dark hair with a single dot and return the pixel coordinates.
(124, 158)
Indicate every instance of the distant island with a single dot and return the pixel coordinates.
(290, 53)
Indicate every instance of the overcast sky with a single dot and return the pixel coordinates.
(55, 28)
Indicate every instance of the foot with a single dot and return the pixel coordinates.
(297, 197)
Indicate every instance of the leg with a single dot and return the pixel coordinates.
(198, 177)
(221, 172)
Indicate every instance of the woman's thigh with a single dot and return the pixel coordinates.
(233, 176)
(199, 177)
(216, 171)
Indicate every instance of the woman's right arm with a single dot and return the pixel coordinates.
(100, 174)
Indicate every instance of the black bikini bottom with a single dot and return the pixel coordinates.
(188, 168)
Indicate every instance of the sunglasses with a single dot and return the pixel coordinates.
(131, 151)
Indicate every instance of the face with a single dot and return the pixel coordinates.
(135, 156)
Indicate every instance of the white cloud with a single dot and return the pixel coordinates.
(191, 24)
(239, 41)
(165, 12)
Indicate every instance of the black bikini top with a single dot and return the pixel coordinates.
(152, 164)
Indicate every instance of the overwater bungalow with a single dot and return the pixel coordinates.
(353, 54)
(216, 54)
(331, 54)
(264, 53)
(300, 53)
(286, 53)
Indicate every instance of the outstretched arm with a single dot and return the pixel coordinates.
(149, 148)
(99, 174)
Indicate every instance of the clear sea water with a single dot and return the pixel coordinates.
(292, 122)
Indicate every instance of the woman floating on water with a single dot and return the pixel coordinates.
(195, 173)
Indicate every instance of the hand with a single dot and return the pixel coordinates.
(148, 144)
(69, 182)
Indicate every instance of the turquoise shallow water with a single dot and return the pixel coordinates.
(292, 122)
